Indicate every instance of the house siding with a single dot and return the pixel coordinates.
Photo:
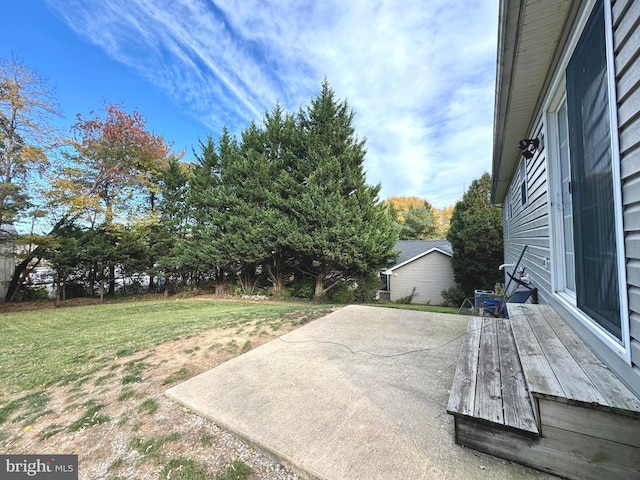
(529, 224)
(429, 275)
(626, 44)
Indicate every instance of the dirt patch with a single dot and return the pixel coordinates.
(122, 426)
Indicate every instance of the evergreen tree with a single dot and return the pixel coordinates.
(168, 229)
(210, 206)
(476, 238)
(273, 154)
(341, 228)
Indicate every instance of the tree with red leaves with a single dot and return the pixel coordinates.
(113, 167)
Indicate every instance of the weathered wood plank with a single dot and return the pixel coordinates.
(509, 445)
(488, 405)
(590, 421)
(518, 411)
(538, 373)
(591, 457)
(617, 396)
(575, 383)
(556, 454)
(463, 389)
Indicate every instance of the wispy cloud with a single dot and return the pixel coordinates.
(418, 73)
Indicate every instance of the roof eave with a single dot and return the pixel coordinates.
(434, 249)
(529, 34)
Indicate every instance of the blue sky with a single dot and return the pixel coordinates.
(419, 74)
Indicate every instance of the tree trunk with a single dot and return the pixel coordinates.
(18, 273)
(92, 280)
(18, 278)
(112, 280)
(58, 291)
(276, 274)
(319, 292)
(166, 287)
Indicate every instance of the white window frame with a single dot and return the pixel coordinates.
(555, 95)
(524, 188)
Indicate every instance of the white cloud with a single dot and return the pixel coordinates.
(418, 73)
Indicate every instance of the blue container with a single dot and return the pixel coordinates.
(491, 306)
(480, 296)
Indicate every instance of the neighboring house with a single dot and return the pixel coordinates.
(568, 83)
(423, 270)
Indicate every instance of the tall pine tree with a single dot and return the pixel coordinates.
(341, 230)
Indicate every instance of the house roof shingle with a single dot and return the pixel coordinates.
(413, 248)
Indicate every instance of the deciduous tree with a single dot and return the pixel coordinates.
(27, 111)
(113, 163)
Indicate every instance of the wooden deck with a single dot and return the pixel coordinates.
(527, 389)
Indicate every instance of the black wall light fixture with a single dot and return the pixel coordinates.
(528, 146)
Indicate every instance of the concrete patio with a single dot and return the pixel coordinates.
(359, 394)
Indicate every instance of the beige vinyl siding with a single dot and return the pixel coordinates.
(626, 34)
(429, 275)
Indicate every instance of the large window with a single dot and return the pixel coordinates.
(586, 216)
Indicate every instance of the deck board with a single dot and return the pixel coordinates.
(463, 389)
(586, 423)
(616, 394)
(488, 405)
(489, 385)
(570, 371)
(575, 383)
(518, 411)
(539, 375)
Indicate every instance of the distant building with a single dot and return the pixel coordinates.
(422, 271)
(7, 258)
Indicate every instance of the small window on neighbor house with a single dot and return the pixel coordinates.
(523, 180)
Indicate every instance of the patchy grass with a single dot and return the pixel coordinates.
(149, 406)
(121, 357)
(51, 430)
(30, 407)
(150, 449)
(126, 394)
(176, 376)
(236, 471)
(184, 469)
(90, 417)
(86, 339)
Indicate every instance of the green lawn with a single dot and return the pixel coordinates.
(39, 348)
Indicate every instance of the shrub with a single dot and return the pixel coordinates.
(453, 296)
(302, 288)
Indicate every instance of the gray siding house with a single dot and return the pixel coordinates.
(566, 164)
(423, 269)
(556, 385)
